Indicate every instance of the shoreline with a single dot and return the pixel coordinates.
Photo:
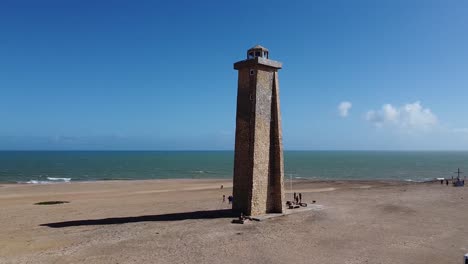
(214, 179)
(9, 183)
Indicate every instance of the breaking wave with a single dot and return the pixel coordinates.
(49, 180)
(59, 179)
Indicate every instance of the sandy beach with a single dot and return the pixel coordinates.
(185, 221)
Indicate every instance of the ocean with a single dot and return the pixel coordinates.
(65, 166)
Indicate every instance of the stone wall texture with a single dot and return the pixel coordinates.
(258, 162)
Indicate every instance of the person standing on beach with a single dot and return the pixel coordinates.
(230, 198)
(300, 197)
(224, 198)
(446, 182)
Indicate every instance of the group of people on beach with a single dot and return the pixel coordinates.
(298, 198)
(459, 182)
(230, 199)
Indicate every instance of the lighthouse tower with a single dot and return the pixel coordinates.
(258, 161)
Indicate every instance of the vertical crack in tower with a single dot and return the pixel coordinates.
(258, 161)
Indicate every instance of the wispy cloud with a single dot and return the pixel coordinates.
(460, 130)
(410, 117)
(343, 108)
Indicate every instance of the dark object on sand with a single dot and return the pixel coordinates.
(238, 221)
(242, 218)
(51, 202)
(459, 183)
(294, 205)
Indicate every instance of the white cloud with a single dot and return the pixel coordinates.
(409, 117)
(343, 108)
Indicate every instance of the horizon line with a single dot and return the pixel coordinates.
(230, 150)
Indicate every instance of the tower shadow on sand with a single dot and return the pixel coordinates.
(211, 214)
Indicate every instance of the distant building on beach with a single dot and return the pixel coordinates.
(258, 162)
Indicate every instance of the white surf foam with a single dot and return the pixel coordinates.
(50, 180)
(59, 179)
(36, 182)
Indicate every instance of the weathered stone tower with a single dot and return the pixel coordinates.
(258, 161)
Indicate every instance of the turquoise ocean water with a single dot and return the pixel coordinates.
(58, 166)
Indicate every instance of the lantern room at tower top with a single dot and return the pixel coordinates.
(258, 56)
(257, 51)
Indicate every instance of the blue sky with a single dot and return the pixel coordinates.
(158, 74)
